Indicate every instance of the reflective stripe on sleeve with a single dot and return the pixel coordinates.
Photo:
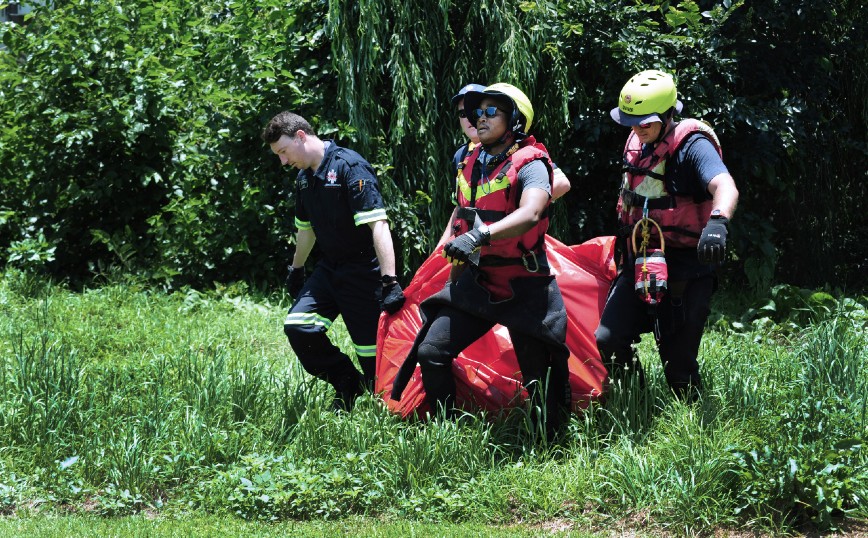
(302, 224)
(364, 217)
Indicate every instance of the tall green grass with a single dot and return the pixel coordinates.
(121, 399)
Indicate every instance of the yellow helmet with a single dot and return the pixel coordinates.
(522, 109)
(647, 96)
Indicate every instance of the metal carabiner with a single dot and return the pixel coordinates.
(524, 262)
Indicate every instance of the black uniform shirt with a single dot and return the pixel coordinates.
(338, 201)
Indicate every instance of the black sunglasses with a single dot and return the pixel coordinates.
(489, 112)
(461, 113)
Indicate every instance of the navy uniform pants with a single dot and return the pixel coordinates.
(348, 289)
(681, 317)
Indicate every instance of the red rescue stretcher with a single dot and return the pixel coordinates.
(487, 375)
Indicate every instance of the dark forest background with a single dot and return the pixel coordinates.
(130, 130)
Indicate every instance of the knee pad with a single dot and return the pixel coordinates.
(432, 357)
(603, 336)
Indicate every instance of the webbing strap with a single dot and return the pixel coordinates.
(633, 199)
(638, 170)
(540, 262)
(487, 215)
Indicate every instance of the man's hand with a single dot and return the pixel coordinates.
(460, 249)
(295, 280)
(712, 244)
(391, 297)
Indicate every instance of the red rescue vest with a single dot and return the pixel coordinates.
(496, 196)
(682, 218)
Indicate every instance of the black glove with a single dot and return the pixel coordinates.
(712, 243)
(391, 297)
(460, 249)
(295, 280)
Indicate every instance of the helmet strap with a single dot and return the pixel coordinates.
(507, 137)
(667, 118)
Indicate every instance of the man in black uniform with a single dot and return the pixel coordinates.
(339, 206)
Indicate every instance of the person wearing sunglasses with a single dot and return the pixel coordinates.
(560, 186)
(500, 272)
(339, 207)
(674, 174)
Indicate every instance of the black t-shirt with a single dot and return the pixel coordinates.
(337, 202)
(688, 173)
(692, 168)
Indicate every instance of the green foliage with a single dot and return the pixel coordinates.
(402, 62)
(788, 308)
(134, 145)
(813, 467)
(118, 400)
(137, 144)
(274, 488)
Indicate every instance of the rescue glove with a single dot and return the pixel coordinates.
(460, 250)
(712, 243)
(391, 297)
(294, 280)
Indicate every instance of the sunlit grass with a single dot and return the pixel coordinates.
(122, 400)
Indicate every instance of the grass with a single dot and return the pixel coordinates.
(190, 407)
(216, 527)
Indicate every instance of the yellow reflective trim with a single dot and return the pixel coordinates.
(307, 318)
(499, 183)
(366, 351)
(365, 217)
(651, 187)
(302, 224)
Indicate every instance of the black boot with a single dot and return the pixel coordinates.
(440, 392)
(369, 366)
(347, 389)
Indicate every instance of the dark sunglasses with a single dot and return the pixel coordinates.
(489, 112)
(461, 113)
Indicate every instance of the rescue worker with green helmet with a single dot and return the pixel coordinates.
(500, 272)
(674, 175)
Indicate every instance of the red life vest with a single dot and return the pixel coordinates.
(682, 218)
(495, 197)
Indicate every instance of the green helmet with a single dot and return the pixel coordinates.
(522, 109)
(647, 96)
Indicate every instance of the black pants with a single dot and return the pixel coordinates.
(347, 289)
(454, 330)
(681, 317)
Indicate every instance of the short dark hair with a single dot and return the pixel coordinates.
(285, 123)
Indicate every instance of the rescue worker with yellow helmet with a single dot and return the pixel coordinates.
(674, 177)
(500, 271)
(560, 186)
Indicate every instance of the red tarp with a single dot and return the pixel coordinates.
(487, 374)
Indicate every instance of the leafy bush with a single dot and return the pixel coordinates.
(137, 144)
(813, 467)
